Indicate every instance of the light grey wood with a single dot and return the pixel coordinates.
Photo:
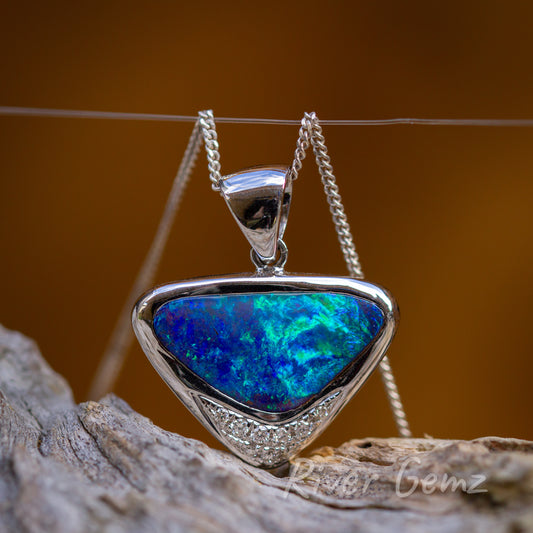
(102, 467)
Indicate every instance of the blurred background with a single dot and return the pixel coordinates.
(442, 216)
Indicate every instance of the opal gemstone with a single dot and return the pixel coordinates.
(270, 351)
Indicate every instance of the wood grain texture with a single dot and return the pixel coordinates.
(100, 466)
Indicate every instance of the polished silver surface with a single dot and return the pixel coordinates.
(259, 199)
(194, 392)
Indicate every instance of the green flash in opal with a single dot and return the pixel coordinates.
(270, 351)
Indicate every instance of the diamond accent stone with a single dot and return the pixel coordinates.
(266, 444)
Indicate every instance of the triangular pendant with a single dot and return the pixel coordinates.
(265, 362)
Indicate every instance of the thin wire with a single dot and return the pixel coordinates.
(112, 115)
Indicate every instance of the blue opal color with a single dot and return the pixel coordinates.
(270, 351)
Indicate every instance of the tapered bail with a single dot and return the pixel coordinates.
(259, 199)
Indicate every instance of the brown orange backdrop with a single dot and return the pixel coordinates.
(442, 215)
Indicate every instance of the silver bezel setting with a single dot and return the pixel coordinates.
(198, 396)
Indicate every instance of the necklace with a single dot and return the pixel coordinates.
(266, 360)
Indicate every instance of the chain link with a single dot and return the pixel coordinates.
(393, 395)
(311, 134)
(209, 133)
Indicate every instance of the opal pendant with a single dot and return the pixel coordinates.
(265, 360)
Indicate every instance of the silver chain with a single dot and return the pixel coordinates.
(311, 133)
(393, 395)
(209, 133)
(121, 338)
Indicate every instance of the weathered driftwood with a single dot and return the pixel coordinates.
(103, 467)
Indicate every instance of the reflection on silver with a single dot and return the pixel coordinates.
(259, 199)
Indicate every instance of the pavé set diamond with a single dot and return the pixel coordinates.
(267, 444)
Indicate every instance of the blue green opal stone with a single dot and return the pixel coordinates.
(269, 351)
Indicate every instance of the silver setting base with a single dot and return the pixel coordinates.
(274, 438)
